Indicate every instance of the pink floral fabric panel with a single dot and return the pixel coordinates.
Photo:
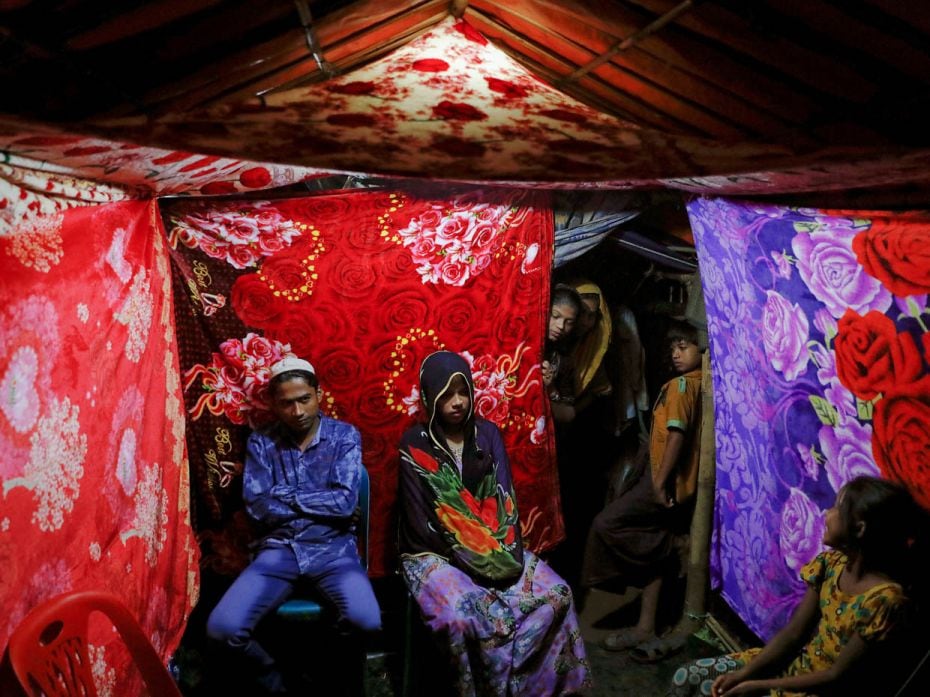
(364, 285)
(94, 475)
(818, 322)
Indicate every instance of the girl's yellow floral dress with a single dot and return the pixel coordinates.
(872, 615)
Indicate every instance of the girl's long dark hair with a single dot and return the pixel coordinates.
(894, 538)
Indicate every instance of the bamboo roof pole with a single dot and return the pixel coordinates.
(313, 44)
(631, 40)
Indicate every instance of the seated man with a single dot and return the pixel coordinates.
(301, 483)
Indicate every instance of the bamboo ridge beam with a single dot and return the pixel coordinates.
(306, 21)
(631, 40)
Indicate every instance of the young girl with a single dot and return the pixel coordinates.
(503, 617)
(558, 369)
(854, 600)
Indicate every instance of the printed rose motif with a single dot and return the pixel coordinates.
(847, 452)
(508, 89)
(240, 234)
(487, 511)
(255, 303)
(353, 278)
(801, 532)
(470, 533)
(497, 383)
(784, 335)
(297, 332)
(897, 255)
(286, 274)
(235, 379)
(450, 245)
(322, 210)
(470, 33)
(457, 111)
(342, 367)
(872, 357)
(255, 177)
(430, 65)
(424, 460)
(901, 439)
(404, 310)
(830, 270)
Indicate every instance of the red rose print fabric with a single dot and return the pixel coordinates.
(818, 323)
(364, 285)
(94, 474)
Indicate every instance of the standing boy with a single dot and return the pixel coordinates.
(301, 483)
(632, 540)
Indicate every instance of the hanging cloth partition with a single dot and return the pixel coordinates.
(820, 352)
(584, 218)
(364, 285)
(94, 475)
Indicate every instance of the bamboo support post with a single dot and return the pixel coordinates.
(695, 606)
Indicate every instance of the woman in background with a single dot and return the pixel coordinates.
(558, 369)
(592, 337)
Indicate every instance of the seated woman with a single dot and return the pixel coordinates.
(504, 618)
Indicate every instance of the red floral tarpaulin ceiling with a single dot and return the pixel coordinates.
(448, 105)
(364, 285)
(94, 475)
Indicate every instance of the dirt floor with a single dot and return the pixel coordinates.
(615, 673)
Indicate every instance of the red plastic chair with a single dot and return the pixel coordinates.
(48, 650)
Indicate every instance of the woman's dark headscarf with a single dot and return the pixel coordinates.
(437, 372)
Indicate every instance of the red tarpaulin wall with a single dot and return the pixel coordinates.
(94, 475)
(364, 285)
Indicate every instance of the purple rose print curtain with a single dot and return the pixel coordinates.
(818, 323)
